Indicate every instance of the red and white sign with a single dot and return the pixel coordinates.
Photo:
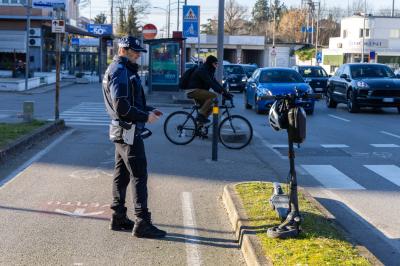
(149, 31)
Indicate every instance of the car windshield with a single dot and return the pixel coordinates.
(233, 70)
(280, 76)
(249, 70)
(371, 71)
(312, 72)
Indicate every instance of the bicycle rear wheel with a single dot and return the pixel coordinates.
(180, 128)
(235, 132)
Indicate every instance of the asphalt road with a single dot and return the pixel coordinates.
(349, 162)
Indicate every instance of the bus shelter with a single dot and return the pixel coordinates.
(164, 64)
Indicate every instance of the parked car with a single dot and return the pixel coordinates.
(249, 69)
(316, 76)
(275, 81)
(363, 85)
(234, 78)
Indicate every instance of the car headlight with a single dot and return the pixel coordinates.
(223, 81)
(244, 79)
(264, 92)
(362, 84)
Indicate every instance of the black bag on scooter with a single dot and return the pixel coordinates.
(297, 124)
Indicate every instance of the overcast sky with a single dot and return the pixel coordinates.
(208, 8)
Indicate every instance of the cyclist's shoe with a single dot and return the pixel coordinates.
(144, 227)
(202, 119)
(121, 222)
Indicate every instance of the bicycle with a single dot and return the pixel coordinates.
(234, 131)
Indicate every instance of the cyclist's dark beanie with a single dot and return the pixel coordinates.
(211, 59)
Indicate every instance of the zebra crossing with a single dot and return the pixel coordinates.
(86, 114)
(332, 178)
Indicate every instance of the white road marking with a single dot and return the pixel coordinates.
(86, 114)
(35, 158)
(79, 212)
(340, 118)
(328, 146)
(390, 134)
(189, 222)
(385, 145)
(331, 178)
(389, 172)
(269, 146)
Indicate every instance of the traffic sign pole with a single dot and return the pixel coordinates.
(28, 26)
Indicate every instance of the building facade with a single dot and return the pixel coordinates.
(381, 38)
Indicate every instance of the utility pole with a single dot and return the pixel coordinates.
(58, 57)
(392, 8)
(169, 16)
(177, 19)
(28, 27)
(317, 34)
(363, 35)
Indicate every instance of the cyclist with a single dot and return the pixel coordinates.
(199, 85)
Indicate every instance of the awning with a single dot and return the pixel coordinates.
(333, 60)
(12, 40)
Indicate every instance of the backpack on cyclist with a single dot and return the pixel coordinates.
(297, 124)
(184, 81)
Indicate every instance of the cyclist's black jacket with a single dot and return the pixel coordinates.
(123, 92)
(203, 78)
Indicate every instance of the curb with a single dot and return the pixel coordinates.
(250, 244)
(26, 141)
(248, 241)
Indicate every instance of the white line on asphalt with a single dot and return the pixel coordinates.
(385, 145)
(269, 146)
(328, 146)
(389, 172)
(331, 178)
(340, 118)
(189, 223)
(35, 158)
(390, 134)
(71, 123)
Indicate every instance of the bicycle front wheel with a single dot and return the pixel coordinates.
(180, 128)
(235, 132)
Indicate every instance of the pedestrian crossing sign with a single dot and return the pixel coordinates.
(190, 15)
(191, 21)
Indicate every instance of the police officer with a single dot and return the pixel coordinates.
(126, 104)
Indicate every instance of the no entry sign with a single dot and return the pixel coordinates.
(149, 31)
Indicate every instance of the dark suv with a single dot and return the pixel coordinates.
(363, 85)
(316, 76)
(234, 77)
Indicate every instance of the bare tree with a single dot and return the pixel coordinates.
(100, 18)
(234, 16)
(130, 15)
(290, 25)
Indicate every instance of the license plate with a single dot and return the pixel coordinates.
(319, 89)
(233, 84)
(388, 100)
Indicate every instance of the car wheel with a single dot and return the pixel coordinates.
(246, 103)
(329, 101)
(352, 105)
(310, 111)
(257, 109)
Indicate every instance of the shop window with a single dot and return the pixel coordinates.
(4, 1)
(344, 34)
(366, 32)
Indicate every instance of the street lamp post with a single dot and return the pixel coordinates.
(28, 26)
(363, 35)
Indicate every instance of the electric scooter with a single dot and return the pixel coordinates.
(286, 205)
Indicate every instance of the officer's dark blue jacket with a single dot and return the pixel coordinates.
(123, 92)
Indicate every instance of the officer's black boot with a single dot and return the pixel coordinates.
(144, 227)
(121, 222)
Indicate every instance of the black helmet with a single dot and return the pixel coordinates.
(278, 116)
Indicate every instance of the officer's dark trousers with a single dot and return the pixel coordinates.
(130, 164)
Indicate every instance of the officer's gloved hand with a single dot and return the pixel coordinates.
(152, 118)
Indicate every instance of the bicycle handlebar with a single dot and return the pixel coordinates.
(315, 96)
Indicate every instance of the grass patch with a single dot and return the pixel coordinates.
(320, 243)
(12, 131)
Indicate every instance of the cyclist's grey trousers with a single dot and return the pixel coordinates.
(130, 164)
(205, 99)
